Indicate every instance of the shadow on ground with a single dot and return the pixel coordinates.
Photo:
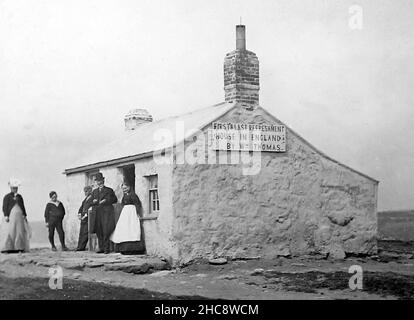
(38, 289)
(384, 284)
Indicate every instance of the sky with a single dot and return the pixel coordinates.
(71, 70)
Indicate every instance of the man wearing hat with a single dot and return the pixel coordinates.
(103, 199)
(84, 217)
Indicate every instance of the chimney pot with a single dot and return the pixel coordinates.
(135, 117)
(240, 37)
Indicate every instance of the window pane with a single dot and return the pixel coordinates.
(153, 193)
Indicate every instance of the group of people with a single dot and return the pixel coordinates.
(96, 215)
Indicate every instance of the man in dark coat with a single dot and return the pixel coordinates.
(103, 199)
(84, 217)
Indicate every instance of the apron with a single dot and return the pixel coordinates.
(128, 227)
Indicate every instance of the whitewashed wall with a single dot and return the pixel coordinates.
(158, 232)
(300, 203)
(75, 184)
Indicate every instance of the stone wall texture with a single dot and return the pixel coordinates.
(301, 202)
(241, 77)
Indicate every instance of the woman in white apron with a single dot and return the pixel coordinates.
(15, 231)
(128, 234)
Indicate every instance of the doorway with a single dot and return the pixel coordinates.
(129, 175)
(133, 247)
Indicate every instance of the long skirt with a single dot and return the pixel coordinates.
(15, 234)
(128, 226)
(127, 235)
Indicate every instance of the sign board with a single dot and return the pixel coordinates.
(247, 137)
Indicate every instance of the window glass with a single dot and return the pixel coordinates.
(154, 200)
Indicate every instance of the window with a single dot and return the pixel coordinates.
(154, 200)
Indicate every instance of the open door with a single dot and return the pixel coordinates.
(129, 175)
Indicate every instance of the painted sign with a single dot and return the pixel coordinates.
(247, 137)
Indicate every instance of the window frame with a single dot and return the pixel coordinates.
(153, 194)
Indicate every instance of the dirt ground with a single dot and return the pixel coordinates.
(390, 275)
(34, 288)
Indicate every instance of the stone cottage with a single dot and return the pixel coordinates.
(232, 180)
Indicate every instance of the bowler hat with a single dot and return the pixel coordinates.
(99, 177)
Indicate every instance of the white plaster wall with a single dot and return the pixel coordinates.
(300, 202)
(158, 232)
(74, 185)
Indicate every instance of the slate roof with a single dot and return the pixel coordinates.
(142, 140)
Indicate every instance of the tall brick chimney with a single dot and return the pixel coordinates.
(241, 73)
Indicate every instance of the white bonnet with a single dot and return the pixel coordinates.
(13, 182)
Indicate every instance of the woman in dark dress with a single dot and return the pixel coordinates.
(128, 235)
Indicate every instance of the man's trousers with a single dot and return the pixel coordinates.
(56, 223)
(83, 235)
(105, 226)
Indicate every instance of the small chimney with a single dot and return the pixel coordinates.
(240, 37)
(241, 73)
(135, 117)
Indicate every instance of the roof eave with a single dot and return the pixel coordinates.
(107, 163)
